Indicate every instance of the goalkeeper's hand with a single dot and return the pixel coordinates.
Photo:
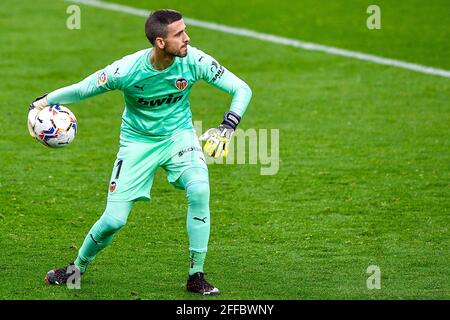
(218, 139)
(33, 110)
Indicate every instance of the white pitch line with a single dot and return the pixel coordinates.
(276, 39)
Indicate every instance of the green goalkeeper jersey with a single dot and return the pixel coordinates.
(157, 101)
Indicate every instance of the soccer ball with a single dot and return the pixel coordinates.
(56, 126)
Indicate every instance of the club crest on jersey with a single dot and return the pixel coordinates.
(181, 83)
(112, 186)
(102, 78)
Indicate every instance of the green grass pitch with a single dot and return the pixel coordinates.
(364, 156)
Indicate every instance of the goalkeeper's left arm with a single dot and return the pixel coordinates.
(218, 139)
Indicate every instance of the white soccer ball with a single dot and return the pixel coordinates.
(56, 126)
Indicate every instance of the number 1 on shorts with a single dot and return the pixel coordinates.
(119, 166)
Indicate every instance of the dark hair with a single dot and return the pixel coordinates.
(157, 22)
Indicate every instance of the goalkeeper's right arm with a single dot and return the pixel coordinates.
(94, 84)
(99, 82)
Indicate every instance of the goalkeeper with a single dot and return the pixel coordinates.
(157, 131)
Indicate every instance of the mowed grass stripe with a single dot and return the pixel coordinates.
(277, 39)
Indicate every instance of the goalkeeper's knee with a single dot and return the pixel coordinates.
(198, 194)
(109, 225)
(196, 183)
(113, 219)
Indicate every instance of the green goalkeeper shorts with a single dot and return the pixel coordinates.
(137, 161)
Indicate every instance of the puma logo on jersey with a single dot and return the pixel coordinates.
(158, 102)
(140, 87)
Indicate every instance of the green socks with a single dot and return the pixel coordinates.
(195, 181)
(102, 232)
(197, 260)
(81, 264)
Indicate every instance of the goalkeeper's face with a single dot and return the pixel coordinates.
(177, 39)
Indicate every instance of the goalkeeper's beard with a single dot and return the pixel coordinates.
(181, 52)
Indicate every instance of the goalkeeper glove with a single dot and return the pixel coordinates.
(218, 139)
(35, 107)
